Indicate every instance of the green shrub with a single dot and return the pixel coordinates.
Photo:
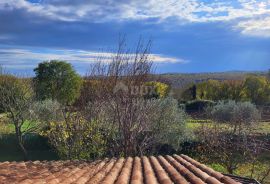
(160, 122)
(169, 124)
(76, 138)
(37, 146)
(47, 111)
(235, 113)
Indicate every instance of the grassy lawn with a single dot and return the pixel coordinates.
(9, 128)
(194, 124)
(262, 127)
(37, 145)
(244, 170)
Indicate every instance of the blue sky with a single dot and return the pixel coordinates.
(188, 35)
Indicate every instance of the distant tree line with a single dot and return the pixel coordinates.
(253, 88)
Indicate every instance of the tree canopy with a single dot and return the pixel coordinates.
(160, 90)
(57, 80)
(16, 97)
(254, 88)
(235, 113)
(257, 89)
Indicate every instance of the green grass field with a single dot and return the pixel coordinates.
(261, 127)
(37, 145)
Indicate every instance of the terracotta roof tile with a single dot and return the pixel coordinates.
(178, 169)
(162, 175)
(137, 175)
(125, 174)
(149, 173)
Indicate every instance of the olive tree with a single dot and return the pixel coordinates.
(169, 123)
(116, 117)
(155, 122)
(47, 111)
(237, 114)
(16, 97)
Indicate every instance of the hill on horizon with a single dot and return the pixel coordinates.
(181, 80)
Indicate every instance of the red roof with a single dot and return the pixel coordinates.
(139, 170)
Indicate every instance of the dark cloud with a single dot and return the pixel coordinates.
(68, 24)
(27, 29)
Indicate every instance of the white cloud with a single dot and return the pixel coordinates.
(255, 27)
(23, 58)
(156, 58)
(239, 11)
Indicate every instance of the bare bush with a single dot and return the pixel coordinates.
(223, 147)
(231, 140)
(118, 100)
(120, 89)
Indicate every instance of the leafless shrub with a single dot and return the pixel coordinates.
(117, 99)
(231, 140)
(220, 145)
(119, 84)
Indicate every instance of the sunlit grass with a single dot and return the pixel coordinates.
(195, 124)
(7, 127)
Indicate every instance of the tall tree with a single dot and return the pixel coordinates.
(16, 97)
(209, 90)
(156, 89)
(57, 80)
(194, 92)
(232, 90)
(257, 89)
